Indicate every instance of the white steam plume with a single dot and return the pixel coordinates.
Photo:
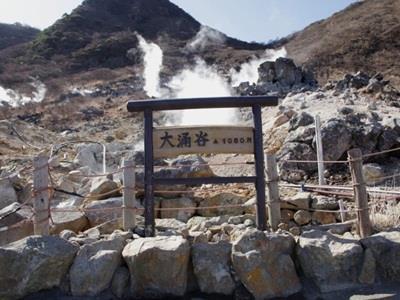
(202, 81)
(249, 70)
(153, 59)
(15, 99)
(206, 36)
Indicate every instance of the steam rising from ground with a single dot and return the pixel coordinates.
(206, 36)
(15, 99)
(249, 70)
(153, 58)
(202, 81)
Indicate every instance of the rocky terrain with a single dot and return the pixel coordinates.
(361, 37)
(69, 89)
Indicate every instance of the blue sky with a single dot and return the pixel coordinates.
(250, 20)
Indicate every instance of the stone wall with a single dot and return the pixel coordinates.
(248, 263)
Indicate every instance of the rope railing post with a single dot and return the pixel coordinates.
(360, 192)
(41, 195)
(128, 213)
(342, 210)
(274, 206)
(320, 153)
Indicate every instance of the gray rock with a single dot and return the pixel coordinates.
(75, 221)
(325, 203)
(90, 156)
(301, 135)
(385, 247)
(263, 264)
(192, 166)
(336, 139)
(359, 80)
(102, 211)
(299, 201)
(302, 217)
(14, 213)
(7, 192)
(295, 151)
(67, 234)
(103, 188)
(94, 267)
(300, 120)
(368, 270)
(332, 263)
(182, 202)
(211, 264)
(372, 173)
(33, 264)
(146, 257)
(286, 72)
(164, 224)
(120, 282)
(222, 199)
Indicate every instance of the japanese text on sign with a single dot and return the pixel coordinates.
(173, 141)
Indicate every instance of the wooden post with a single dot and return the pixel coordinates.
(320, 153)
(128, 214)
(41, 196)
(260, 172)
(274, 205)
(342, 208)
(149, 219)
(360, 192)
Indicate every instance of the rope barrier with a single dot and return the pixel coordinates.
(381, 152)
(317, 161)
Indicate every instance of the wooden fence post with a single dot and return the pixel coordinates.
(41, 196)
(274, 205)
(128, 214)
(360, 192)
(342, 210)
(320, 153)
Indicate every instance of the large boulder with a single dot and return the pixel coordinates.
(330, 262)
(90, 156)
(373, 173)
(385, 247)
(187, 205)
(336, 139)
(33, 264)
(233, 202)
(9, 234)
(94, 266)
(158, 266)
(211, 265)
(296, 151)
(287, 73)
(14, 213)
(300, 120)
(102, 211)
(263, 264)
(72, 220)
(103, 188)
(7, 193)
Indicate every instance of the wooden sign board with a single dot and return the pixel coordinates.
(174, 141)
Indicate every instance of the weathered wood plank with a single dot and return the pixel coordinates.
(360, 192)
(128, 214)
(174, 141)
(41, 196)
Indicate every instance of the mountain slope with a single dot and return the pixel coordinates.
(103, 34)
(365, 36)
(14, 34)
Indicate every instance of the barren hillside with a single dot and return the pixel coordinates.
(365, 36)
